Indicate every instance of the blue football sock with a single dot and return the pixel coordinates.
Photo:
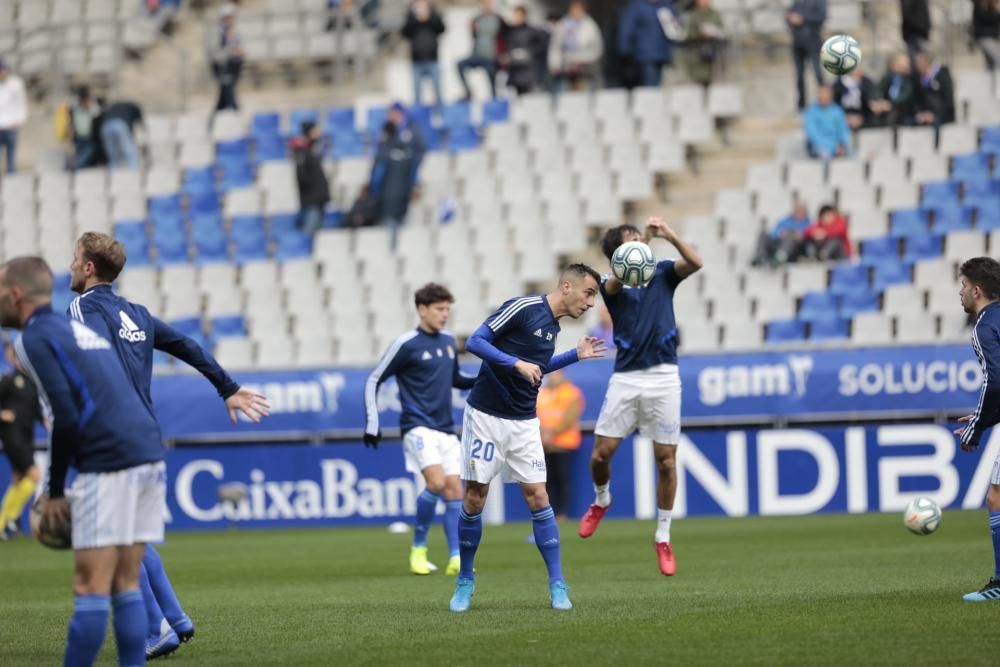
(130, 628)
(160, 584)
(546, 531)
(154, 615)
(453, 508)
(995, 528)
(86, 630)
(470, 533)
(427, 504)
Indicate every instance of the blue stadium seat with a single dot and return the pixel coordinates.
(890, 273)
(989, 140)
(168, 226)
(236, 175)
(861, 300)
(457, 114)
(951, 218)
(877, 251)
(210, 241)
(375, 119)
(347, 144)
(835, 329)
(299, 116)
(293, 245)
(204, 203)
(462, 139)
(165, 206)
(265, 125)
(987, 213)
(284, 223)
(333, 219)
(198, 181)
(171, 248)
(909, 222)
(189, 326)
(61, 298)
(269, 149)
(61, 281)
(340, 119)
(970, 167)
(785, 331)
(976, 188)
(496, 111)
(845, 278)
(133, 236)
(940, 193)
(229, 326)
(237, 150)
(419, 116)
(818, 306)
(248, 238)
(917, 248)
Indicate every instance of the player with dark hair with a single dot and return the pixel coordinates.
(980, 296)
(644, 392)
(98, 259)
(112, 439)
(501, 432)
(425, 363)
(19, 411)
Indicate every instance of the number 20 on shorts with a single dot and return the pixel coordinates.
(482, 450)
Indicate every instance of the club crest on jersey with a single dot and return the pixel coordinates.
(129, 330)
(451, 352)
(426, 356)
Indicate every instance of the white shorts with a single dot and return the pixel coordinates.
(648, 401)
(423, 447)
(119, 508)
(995, 475)
(491, 445)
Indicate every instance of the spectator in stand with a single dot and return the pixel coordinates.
(13, 113)
(642, 37)
(854, 93)
(394, 174)
(986, 30)
(423, 29)
(522, 49)
(543, 40)
(82, 116)
(575, 50)
(935, 91)
(314, 190)
(916, 24)
(786, 242)
(560, 405)
(896, 98)
(117, 130)
(225, 53)
(805, 19)
(488, 31)
(827, 133)
(703, 41)
(826, 239)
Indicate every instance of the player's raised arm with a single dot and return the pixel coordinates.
(690, 261)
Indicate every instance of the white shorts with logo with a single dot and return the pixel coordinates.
(492, 446)
(423, 447)
(648, 401)
(119, 508)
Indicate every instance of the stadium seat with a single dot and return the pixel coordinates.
(189, 326)
(987, 213)
(347, 144)
(235, 174)
(829, 330)
(951, 218)
(265, 125)
(496, 110)
(235, 353)
(871, 329)
(890, 273)
(270, 148)
(785, 331)
(340, 119)
(375, 119)
(909, 222)
(859, 301)
(916, 248)
(457, 114)
(846, 278)
(133, 236)
(284, 223)
(970, 167)
(962, 245)
(981, 187)
(940, 194)
(292, 245)
(229, 326)
(249, 242)
(989, 140)
(210, 243)
(171, 247)
(462, 139)
(300, 116)
(817, 306)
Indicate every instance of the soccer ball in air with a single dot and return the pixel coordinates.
(54, 536)
(633, 263)
(840, 54)
(922, 516)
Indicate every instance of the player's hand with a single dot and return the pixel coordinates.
(250, 403)
(372, 440)
(529, 371)
(7, 416)
(55, 510)
(966, 447)
(656, 227)
(590, 347)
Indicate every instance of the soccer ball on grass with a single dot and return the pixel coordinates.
(922, 516)
(633, 263)
(840, 54)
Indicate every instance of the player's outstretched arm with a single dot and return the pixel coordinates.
(254, 406)
(588, 347)
(173, 342)
(690, 261)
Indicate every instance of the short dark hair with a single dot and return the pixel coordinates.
(432, 293)
(32, 275)
(106, 252)
(984, 273)
(826, 208)
(580, 270)
(613, 238)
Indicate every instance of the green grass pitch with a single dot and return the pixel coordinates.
(768, 591)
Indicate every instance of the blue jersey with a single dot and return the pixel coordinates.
(99, 424)
(986, 343)
(521, 329)
(135, 333)
(643, 319)
(426, 368)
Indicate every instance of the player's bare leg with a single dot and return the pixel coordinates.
(470, 533)
(991, 591)
(666, 490)
(546, 532)
(600, 471)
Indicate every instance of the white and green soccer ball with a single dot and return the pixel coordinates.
(840, 54)
(922, 516)
(633, 263)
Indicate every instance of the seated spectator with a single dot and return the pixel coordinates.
(575, 50)
(854, 93)
(522, 46)
(895, 100)
(488, 33)
(82, 116)
(786, 242)
(827, 133)
(703, 41)
(314, 189)
(117, 131)
(986, 30)
(393, 181)
(935, 91)
(826, 239)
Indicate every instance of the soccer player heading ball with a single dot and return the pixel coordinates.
(644, 393)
